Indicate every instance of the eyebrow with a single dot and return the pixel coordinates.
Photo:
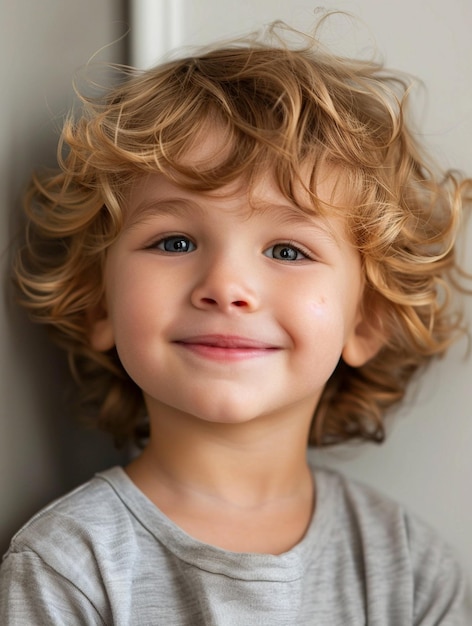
(286, 215)
(169, 206)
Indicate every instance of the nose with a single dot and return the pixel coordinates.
(226, 286)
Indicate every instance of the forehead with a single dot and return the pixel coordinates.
(246, 193)
(208, 161)
(208, 147)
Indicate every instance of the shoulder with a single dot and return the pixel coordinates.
(72, 533)
(395, 549)
(370, 513)
(379, 522)
(87, 509)
(57, 559)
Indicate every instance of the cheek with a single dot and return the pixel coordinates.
(321, 329)
(316, 309)
(322, 314)
(137, 308)
(137, 295)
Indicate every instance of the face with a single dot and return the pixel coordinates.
(226, 313)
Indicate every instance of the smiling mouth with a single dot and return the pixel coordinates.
(226, 347)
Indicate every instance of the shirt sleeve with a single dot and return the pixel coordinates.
(442, 593)
(32, 592)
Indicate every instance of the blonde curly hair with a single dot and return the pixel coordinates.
(287, 109)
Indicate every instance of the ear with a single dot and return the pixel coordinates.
(100, 329)
(364, 342)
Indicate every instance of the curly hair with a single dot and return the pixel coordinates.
(284, 108)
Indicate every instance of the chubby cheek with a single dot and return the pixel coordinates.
(319, 331)
(136, 312)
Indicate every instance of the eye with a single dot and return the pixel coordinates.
(285, 252)
(177, 244)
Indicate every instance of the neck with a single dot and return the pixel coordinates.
(242, 487)
(241, 465)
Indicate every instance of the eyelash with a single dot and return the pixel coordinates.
(177, 238)
(161, 243)
(290, 246)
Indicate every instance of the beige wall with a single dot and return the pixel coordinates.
(42, 452)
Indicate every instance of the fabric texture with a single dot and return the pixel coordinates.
(104, 554)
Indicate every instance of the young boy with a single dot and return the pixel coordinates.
(249, 248)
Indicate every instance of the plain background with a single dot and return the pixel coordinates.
(42, 450)
(427, 460)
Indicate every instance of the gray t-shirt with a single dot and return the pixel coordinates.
(104, 554)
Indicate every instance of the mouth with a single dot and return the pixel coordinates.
(226, 347)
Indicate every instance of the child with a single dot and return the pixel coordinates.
(249, 247)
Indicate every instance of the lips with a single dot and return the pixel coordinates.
(227, 341)
(226, 347)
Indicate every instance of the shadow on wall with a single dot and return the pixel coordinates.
(50, 435)
(44, 451)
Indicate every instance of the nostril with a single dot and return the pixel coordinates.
(213, 302)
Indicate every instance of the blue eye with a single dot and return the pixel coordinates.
(285, 252)
(177, 244)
